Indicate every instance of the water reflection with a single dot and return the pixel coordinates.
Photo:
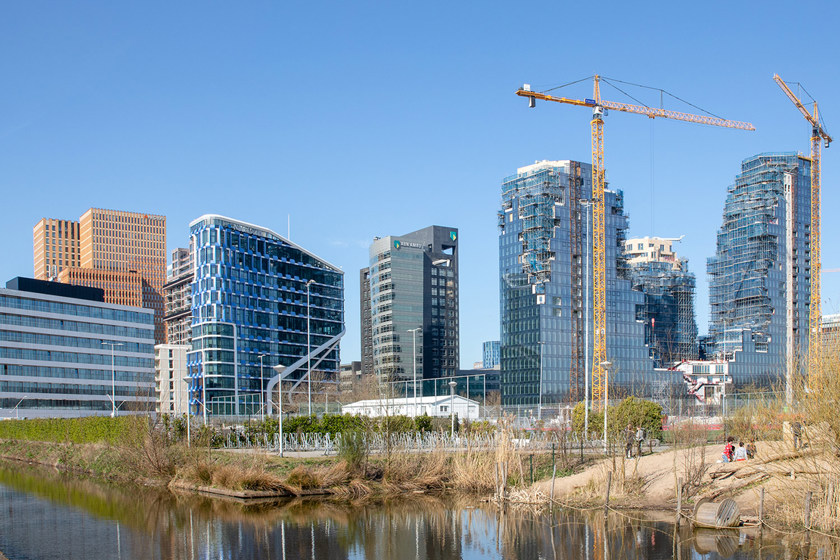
(45, 515)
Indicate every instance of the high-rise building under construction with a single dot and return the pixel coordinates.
(545, 264)
(759, 278)
(668, 312)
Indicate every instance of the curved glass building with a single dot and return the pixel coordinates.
(255, 294)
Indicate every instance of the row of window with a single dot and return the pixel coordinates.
(75, 373)
(74, 357)
(73, 342)
(74, 326)
(73, 389)
(44, 306)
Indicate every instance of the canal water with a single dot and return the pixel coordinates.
(44, 515)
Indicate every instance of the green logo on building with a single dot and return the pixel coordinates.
(397, 244)
(453, 235)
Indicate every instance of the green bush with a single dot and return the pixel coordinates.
(352, 447)
(423, 423)
(89, 429)
(395, 424)
(633, 411)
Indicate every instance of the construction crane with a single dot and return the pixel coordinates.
(818, 134)
(599, 111)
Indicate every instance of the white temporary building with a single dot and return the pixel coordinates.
(442, 405)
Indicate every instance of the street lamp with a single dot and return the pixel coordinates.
(308, 347)
(414, 357)
(606, 366)
(15, 409)
(113, 377)
(452, 385)
(262, 388)
(279, 370)
(539, 404)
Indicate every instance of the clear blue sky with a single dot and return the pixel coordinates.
(375, 119)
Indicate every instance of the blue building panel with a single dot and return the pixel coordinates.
(256, 294)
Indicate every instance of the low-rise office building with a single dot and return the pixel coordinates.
(64, 352)
(171, 382)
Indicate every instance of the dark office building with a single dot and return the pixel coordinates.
(413, 284)
(367, 332)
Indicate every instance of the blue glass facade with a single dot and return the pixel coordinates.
(490, 354)
(759, 278)
(249, 297)
(545, 272)
(55, 354)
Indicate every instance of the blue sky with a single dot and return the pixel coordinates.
(364, 119)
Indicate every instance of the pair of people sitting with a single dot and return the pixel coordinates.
(740, 453)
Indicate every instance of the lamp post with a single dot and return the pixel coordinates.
(414, 359)
(113, 377)
(279, 370)
(308, 347)
(262, 388)
(539, 403)
(15, 410)
(452, 385)
(606, 366)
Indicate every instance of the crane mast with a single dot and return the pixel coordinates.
(818, 135)
(600, 372)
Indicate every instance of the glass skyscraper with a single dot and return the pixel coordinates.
(413, 281)
(249, 298)
(759, 278)
(545, 266)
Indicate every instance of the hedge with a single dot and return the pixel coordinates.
(89, 429)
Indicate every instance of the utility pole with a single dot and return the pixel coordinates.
(308, 347)
(414, 356)
(113, 378)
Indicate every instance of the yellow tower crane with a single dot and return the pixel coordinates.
(599, 271)
(818, 133)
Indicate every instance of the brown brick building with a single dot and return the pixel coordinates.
(55, 245)
(124, 253)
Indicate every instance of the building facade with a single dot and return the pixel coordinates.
(64, 352)
(365, 317)
(545, 263)
(255, 293)
(177, 296)
(490, 352)
(107, 249)
(759, 278)
(414, 285)
(668, 313)
(171, 382)
(350, 376)
(120, 287)
(56, 246)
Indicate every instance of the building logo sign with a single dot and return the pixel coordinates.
(453, 235)
(398, 244)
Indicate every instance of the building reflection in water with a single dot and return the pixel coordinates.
(47, 516)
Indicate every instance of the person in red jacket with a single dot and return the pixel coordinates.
(729, 450)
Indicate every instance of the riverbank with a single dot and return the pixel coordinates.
(260, 475)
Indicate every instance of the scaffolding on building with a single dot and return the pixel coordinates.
(668, 311)
(751, 242)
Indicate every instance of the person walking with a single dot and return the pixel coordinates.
(640, 437)
(628, 441)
